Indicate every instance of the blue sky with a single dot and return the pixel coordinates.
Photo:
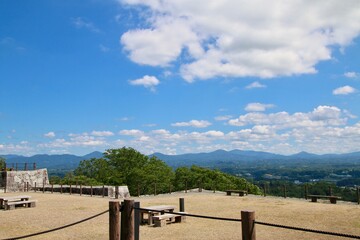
(179, 76)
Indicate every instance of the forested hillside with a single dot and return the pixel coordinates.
(142, 174)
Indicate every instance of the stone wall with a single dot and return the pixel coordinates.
(17, 180)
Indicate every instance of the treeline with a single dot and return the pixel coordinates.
(290, 189)
(142, 174)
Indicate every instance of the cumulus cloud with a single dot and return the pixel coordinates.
(351, 74)
(223, 118)
(192, 123)
(131, 132)
(102, 133)
(255, 84)
(325, 129)
(236, 38)
(258, 107)
(147, 81)
(345, 90)
(49, 135)
(320, 116)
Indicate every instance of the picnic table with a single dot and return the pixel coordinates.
(240, 192)
(332, 199)
(9, 203)
(150, 213)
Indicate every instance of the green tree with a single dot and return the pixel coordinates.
(2, 163)
(98, 169)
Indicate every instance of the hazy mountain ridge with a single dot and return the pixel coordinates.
(234, 157)
(210, 159)
(64, 161)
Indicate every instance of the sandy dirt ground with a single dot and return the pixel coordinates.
(55, 210)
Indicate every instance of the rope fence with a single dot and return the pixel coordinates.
(247, 219)
(58, 228)
(308, 230)
(256, 222)
(126, 209)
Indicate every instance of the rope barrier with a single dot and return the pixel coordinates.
(192, 215)
(308, 230)
(257, 222)
(58, 228)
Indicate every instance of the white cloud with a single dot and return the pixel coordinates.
(49, 135)
(320, 116)
(258, 107)
(351, 74)
(82, 23)
(132, 132)
(223, 118)
(147, 81)
(192, 123)
(255, 85)
(236, 38)
(102, 133)
(345, 90)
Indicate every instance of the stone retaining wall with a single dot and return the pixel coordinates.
(17, 180)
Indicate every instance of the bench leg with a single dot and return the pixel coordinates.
(228, 193)
(160, 223)
(333, 200)
(179, 219)
(9, 207)
(314, 199)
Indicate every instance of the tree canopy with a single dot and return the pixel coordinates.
(147, 175)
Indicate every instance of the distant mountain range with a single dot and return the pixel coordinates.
(59, 161)
(212, 159)
(221, 158)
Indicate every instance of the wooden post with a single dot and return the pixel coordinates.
(285, 191)
(91, 191)
(80, 189)
(117, 192)
(70, 190)
(330, 191)
(27, 187)
(306, 191)
(61, 189)
(5, 182)
(214, 186)
(127, 220)
(43, 186)
(114, 220)
(103, 191)
(52, 188)
(137, 221)
(264, 190)
(181, 205)
(35, 186)
(248, 225)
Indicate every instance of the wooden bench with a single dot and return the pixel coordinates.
(12, 205)
(333, 199)
(5, 200)
(240, 192)
(162, 220)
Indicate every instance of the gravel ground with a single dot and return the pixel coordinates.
(55, 210)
